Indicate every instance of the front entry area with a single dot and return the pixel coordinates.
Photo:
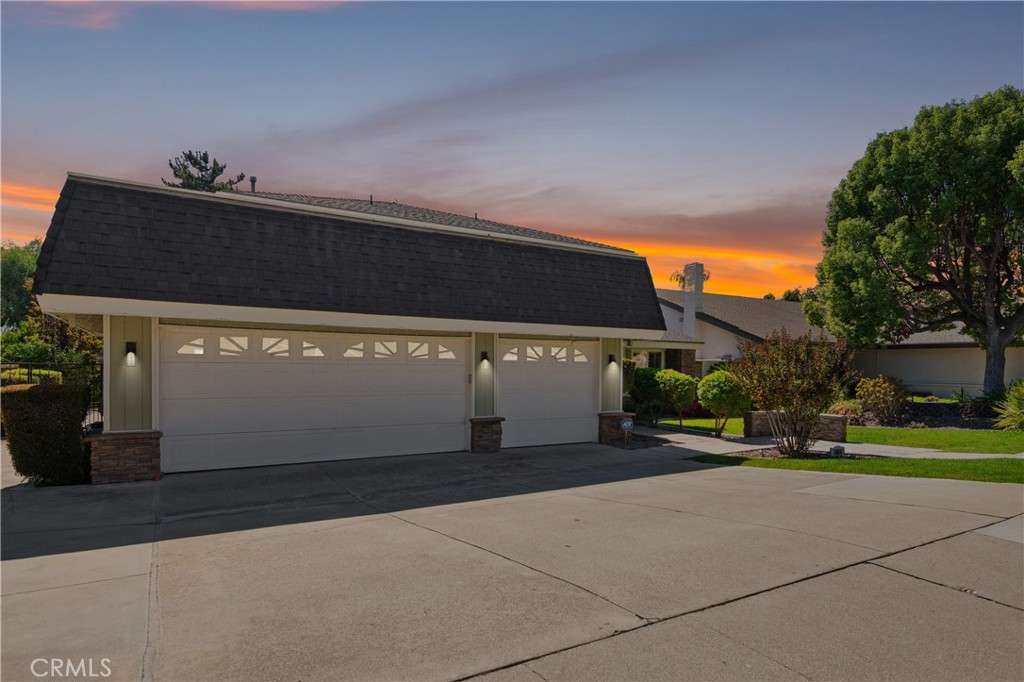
(547, 391)
(249, 397)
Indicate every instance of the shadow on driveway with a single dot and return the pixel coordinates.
(45, 521)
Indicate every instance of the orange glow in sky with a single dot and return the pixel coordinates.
(27, 196)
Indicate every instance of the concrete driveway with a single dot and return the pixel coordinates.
(576, 562)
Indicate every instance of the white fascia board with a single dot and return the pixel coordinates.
(357, 216)
(97, 305)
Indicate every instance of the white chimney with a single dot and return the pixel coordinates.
(693, 297)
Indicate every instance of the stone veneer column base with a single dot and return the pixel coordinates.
(485, 434)
(124, 456)
(608, 426)
(829, 426)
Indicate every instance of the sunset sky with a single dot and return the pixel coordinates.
(683, 131)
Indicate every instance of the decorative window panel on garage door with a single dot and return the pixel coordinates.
(243, 397)
(547, 391)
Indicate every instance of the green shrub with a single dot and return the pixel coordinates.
(721, 393)
(628, 374)
(1010, 410)
(884, 397)
(23, 376)
(645, 389)
(676, 390)
(853, 410)
(793, 379)
(43, 424)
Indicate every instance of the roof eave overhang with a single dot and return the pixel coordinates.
(97, 305)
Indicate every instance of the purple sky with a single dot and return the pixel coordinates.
(683, 130)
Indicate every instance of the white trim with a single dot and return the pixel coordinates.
(97, 305)
(372, 218)
(154, 373)
(106, 373)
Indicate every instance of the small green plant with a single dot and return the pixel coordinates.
(883, 396)
(721, 393)
(24, 376)
(853, 410)
(43, 423)
(677, 391)
(1010, 410)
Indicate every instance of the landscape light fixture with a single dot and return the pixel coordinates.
(129, 353)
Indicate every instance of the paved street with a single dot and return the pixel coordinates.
(576, 562)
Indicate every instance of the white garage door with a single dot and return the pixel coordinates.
(547, 392)
(243, 397)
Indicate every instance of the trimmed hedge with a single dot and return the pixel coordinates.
(23, 376)
(43, 424)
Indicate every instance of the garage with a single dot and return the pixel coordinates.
(547, 391)
(245, 397)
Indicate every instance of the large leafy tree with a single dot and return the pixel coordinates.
(927, 231)
(17, 264)
(195, 170)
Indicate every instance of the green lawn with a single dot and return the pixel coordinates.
(946, 440)
(919, 399)
(733, 427)
(991, 470)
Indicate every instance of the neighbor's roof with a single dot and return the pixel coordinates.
(124, 240)
(756, 318)
(753, 318)
(427, 215)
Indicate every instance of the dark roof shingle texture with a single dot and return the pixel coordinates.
(137, 243)
(756, 317)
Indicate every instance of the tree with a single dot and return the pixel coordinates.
(769, 296)
(791, 295)
(793, 379)
(721, 393)
(17, 264)
(677, 390)
(927, 231)
(194, 170)
(679, 278)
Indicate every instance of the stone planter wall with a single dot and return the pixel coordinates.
(122, 457)
(829, 427)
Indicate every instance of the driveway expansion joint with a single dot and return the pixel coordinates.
(956, 588)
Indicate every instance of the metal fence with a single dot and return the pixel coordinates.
(89, 376)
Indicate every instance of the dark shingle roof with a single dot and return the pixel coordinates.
(427, 215)
(121, 240)
(751, 317)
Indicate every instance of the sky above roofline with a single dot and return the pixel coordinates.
(682, 131)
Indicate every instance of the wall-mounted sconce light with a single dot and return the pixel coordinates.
(129, 353)
(611, 358)
(483, 356)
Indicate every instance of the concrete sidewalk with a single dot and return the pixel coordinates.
(709, 445)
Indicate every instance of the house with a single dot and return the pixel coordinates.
(938, 363)
(253, 329)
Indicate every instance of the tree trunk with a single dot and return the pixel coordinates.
(995, 364)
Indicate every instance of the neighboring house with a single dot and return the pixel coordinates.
(939, 363)
(249, 329)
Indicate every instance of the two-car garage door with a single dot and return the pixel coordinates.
(244, 397)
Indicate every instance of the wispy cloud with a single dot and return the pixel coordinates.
(28, 196)
(100, 15)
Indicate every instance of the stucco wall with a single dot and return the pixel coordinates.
(940, 371)
(717, 341)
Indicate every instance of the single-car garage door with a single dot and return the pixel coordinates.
(547, 391)
(244, 397)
